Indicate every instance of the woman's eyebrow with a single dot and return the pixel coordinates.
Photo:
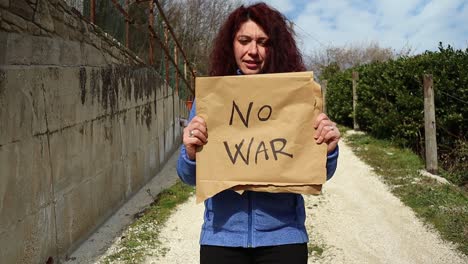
(249, 36)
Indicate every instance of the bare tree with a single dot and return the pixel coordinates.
(196, 23)
(351, 55)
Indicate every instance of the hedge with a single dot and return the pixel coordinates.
(391, 103)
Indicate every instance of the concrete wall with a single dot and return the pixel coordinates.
(83, 125)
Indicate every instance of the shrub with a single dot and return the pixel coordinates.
(391, 102)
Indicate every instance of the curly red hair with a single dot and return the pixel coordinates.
(283, 54)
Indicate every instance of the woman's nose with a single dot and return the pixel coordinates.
(253, 49)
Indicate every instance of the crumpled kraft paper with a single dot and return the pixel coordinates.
(260, 134)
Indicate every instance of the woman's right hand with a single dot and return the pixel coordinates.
(195, 135)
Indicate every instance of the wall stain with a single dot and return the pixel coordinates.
(147, 116)
(137, 113)
(108, 133)
(2, 82)
(54, 72)
(83, 84)
(2, 88)
(122, 74)
(94, 85)
(113, 84)
(106, 79)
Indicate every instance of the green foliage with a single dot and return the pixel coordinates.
(391, 103)
(340, 112)
(142, 237)
(330, 70)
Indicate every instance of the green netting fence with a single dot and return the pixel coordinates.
(108, 17)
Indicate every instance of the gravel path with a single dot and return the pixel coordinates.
(356, 220)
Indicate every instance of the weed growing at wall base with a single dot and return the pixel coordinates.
(142, 237)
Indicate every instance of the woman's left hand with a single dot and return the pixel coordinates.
(326, 131)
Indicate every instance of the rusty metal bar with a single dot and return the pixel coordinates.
(151, 40)
(166, 50)
(92, 13)
(122, 10)
(161, 11)
(153, 36)
(166, 58)
(127, 26)
(176, 57)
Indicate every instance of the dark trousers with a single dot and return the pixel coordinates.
(284, 254)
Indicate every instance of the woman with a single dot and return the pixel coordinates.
(254, 227)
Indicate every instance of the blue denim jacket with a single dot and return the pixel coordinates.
(253, 219)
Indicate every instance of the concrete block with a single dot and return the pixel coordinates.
(33, 29)
(134, 163)
(71, 20)
(95, 40)
(100, 148)
(92, 56)
(169, 142)
(68, 159)
(113, 181)
(165, 90)
(87, 139)
(31, 240)
(64, 90)
(70, 53)
(62, 95)
(127, 126)
(162, 151)
(115, 141)
(5, 3)
(22, 110)
(152, 159)
(26, 182)
(57, 14)
(19, 49)
(168, 125)
(45, 50)
(160, 109)
(3, 46)
(76, 215)
(22, 8)
(125, 82)
(168, 112)
(61, 29)
(43, 17)
(74, 33)
(4, 26)
(177, 115)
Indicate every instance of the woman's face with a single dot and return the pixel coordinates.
(250, 48)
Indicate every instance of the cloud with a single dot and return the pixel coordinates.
(420, 24)
(285, 6)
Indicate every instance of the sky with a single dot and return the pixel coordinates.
(398, 24)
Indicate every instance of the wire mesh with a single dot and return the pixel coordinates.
(77, 4)
(113, 21)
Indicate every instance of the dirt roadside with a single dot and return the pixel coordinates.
(355, 220)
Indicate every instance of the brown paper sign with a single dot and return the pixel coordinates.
(260, 134)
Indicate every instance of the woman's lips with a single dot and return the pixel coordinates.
(252, 65)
